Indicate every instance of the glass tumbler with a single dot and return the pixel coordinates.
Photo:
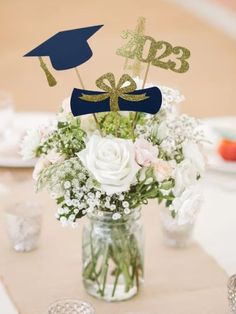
(23, 222)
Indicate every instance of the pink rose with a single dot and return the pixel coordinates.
(51, 158)
(145, 153)
(40, 165)
(162, 170)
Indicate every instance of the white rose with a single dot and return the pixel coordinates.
(111, 161)
(187, 205)
(192, 152)
(185, 175)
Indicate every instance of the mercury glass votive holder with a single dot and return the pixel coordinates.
(232, 293)
(23, 223)
(70, 306)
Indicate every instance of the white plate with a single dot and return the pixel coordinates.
(215, 161)
(22, 122)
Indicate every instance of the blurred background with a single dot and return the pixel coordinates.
(206, 27)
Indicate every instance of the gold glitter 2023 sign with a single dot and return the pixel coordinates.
(160, 53)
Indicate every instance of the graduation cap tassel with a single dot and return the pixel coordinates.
(51, 80)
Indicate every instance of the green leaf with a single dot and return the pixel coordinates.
(60, 200)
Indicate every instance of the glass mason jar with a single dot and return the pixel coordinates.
(174, 234)
(113, 256)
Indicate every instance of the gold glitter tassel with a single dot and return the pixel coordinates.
(50, 78)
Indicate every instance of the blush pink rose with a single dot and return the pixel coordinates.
(162, 170)
(44, 161)
(145, 153)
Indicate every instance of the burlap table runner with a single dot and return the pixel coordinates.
(176, 281)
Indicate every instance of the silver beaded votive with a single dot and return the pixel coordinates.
(69, 306)
(232, 293)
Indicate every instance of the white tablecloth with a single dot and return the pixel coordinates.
(216, 225)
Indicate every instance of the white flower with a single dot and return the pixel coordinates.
(185, 175)
(68, 202)
(125, 204)
(187, 205)
(30, 143)
(113, 207)
(162, 131)
(145, 153)
(116, 216)
(66, 105)
(127, 211)
(60, 211)
(111, 161)
(66, 110)
(162, 170)
(192, 152)
(121, 197)
(64, 221)
(88, 124)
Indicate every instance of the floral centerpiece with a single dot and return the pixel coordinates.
(106, 169)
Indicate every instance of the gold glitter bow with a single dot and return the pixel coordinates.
(115, 91)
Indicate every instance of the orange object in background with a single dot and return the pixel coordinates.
(227, 149)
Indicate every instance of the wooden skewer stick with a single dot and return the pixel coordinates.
(144, 82)
(146, 75)
(82, 85)
(79, 77)
(126, 63)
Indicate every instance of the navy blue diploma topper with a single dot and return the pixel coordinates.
(120, 97)
(67, 49)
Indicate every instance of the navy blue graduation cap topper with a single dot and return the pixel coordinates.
(120, 97)
(67, 49)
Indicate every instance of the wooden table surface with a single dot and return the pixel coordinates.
(176, 281)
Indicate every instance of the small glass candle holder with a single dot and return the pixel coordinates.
(23, 222)
(232, 293)
(175, 235)
(69, 306)
(6, 112)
